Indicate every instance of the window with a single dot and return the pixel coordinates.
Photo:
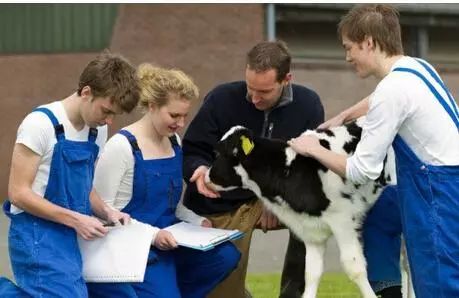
(51, 28)
(428, 30)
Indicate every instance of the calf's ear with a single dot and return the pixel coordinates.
(247, 144)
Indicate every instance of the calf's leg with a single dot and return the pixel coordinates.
(314, 267)
(352, 258)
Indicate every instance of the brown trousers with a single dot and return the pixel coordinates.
(244, 219)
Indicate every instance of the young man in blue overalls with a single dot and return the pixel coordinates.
(411, 109)
(51, 198)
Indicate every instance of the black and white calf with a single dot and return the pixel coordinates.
(311, 200)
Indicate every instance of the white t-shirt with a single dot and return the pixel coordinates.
(402, 103)
(36, 132)
(113, 179)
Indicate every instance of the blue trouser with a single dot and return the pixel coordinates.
(40, 270)
(9, 289)
(381, 239)
(183, 272)
(429, 198)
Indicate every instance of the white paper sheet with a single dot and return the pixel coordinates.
(120, 256)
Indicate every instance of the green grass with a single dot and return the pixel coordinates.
(332, 285)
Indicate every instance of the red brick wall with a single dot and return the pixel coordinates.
(207, 41)
(28, 81)
(339, 87)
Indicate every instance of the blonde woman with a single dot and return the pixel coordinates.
(140, 173)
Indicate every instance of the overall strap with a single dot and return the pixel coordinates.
(437, 95)
(92, 135)
(133, 141)
(173, 140)
(58, 128)
(440, 82)
(175, 144)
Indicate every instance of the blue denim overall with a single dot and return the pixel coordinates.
(44, 255)
(183, 272)
(382, 231)
(429, 203)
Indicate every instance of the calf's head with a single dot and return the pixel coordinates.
(233, 148)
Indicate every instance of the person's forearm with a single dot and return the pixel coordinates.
(185, 214)
(356, 111)
(191, 163)
(334, 161)
(98, 206)
(34, 204)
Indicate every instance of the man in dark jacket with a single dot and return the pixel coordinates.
(271, 106)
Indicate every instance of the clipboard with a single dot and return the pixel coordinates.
(201, 238)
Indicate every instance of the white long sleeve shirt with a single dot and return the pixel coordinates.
(402, 103)
(113, 179)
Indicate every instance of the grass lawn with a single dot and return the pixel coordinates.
(332, 285)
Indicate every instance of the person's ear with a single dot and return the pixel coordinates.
(151, 106)
(370, 43)
(288, 78)
(86, 93)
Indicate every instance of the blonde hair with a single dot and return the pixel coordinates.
(158, 84)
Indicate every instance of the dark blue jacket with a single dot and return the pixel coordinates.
(227, 106)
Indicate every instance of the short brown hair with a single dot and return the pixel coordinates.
(268, 55)
(380, 21)
(111, 75)
(158, 84)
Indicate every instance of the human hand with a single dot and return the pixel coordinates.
(88, 227)
(199, 177)
(305, 144)
(118, 217)
(206, 223)
(165, 241)
(333, 122)
(268, 220)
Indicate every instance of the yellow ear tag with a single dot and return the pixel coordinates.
(247, 145)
